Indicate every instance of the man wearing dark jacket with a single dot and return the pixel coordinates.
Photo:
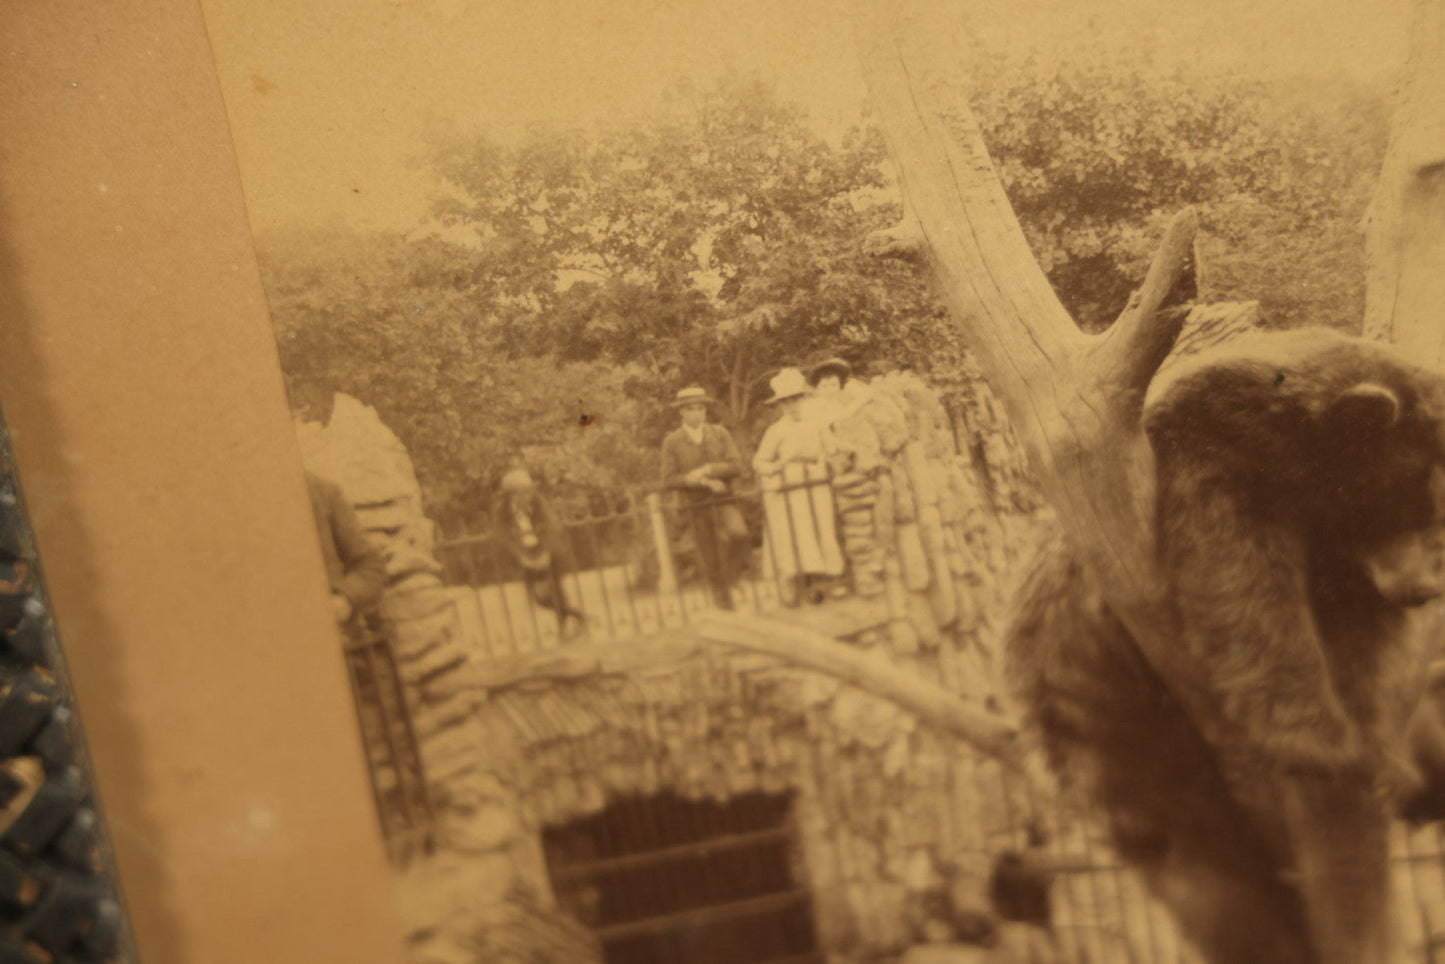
(700, 461)
(355, 568)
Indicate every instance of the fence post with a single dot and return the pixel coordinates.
(666, 570)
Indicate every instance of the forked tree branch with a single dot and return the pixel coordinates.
(1075, 400)
(1140, 339)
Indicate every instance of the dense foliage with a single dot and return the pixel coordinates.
(567, 285)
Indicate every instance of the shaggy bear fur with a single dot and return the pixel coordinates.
(1300, 486)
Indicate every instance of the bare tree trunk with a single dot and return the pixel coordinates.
(738, 389)
(1405, 226)
(1074, 400)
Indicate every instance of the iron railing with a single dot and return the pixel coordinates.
(640, 570)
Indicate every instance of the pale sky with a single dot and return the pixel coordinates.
(331, 100)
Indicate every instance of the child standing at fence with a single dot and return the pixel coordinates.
(528, 528)
(792, 468)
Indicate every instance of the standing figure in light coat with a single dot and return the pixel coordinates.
(792, 467)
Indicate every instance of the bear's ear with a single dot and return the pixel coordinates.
(1363, 409)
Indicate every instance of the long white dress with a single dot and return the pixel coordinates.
(802, 530)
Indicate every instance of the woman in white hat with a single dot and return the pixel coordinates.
(791, 463)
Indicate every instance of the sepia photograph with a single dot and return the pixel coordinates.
(885, 482)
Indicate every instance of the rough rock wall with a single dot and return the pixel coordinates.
(882, 806)
(936, 509)
(932, 509)
(487, 890)
(359, 453)
(447, 897)
(889, 814)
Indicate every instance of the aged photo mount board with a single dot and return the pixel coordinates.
(162, 477)
(295, 81)
(727, 691)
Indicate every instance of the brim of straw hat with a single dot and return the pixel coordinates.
(833, 366)
(699, 400)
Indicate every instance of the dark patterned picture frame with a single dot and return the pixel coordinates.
(60, 900)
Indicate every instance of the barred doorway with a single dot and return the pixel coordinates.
(663, 880)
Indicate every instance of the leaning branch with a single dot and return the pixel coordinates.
(986, 732)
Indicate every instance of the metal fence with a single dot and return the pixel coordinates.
(638, 570)
(1419, 864)
(1103, 913)
(647, 567)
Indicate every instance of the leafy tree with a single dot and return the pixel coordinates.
(713, 244)
(592, 274)
(1095, 155)
(396, 322)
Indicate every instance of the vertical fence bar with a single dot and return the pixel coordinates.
(481, 604)
(1051, 823)
(771, 543)
(576, 575)
(1412, 872)
(631, 522)
(1141, 897)
(625, 901)
(1011, 821)
(466, 549)
(809, 491)
(366, 652)
(355, 671)
(754, 578)
(501, 584)
(590, 526)
(690, 513)
(800, 580)
(668, 582)
(666, 570)
(531, 601)
(627, 839)
(1432, 936)
(1083, 895)
(474, 578)
(1101, 892)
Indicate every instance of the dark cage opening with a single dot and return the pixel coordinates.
(663, 880)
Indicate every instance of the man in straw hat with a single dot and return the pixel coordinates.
(700, 460)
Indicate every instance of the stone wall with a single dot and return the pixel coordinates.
(359, 453)
(882, 806)
(877, 802)
(886, 811)
(447, 897)
(888, 814)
